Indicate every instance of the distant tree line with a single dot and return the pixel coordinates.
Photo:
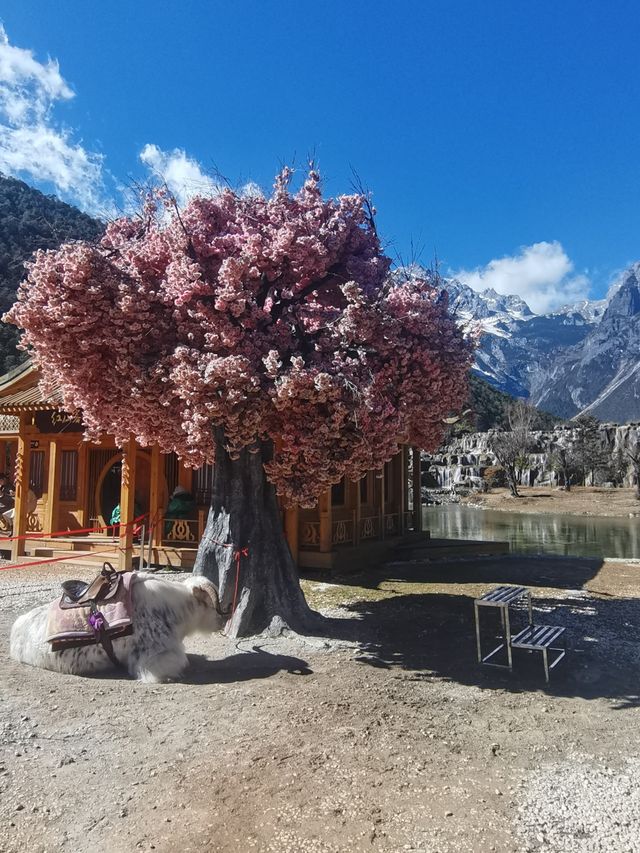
(489, 408)
(581, 455)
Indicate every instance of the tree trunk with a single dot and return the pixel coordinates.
(512, 481)
(244, 514)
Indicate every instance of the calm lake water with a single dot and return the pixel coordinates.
(536, 534)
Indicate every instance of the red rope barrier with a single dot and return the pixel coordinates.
(54, 560)
(153, 523)
(39, 535)
(237, 555)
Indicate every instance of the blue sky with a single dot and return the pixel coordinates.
(503, 135)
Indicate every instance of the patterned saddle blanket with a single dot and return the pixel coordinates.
(87, 614)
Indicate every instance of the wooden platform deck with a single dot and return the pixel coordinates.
(94, 550)
(439, 549)
(412, 546)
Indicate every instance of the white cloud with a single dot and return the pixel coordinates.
(542, 274)
(251, 190)
(185, 177)
(32, 144)
(182, 174)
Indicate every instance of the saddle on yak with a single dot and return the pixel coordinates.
(92, 613)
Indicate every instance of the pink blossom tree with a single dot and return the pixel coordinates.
(263, 334)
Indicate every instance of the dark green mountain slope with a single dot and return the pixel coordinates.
(489, 408)
(30, 220)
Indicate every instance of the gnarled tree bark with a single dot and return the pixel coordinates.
(244, 514)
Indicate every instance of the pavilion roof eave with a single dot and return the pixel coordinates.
(20, 392)
(28, 400)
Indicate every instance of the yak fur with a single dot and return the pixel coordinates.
(164, 613)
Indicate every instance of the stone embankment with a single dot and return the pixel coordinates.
(458, 466)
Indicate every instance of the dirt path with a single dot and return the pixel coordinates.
(591, 501)
(393, 740)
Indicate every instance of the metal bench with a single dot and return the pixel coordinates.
(503, 598)
(539, 638)
(533, 638)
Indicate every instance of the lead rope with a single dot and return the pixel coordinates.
(238, 554)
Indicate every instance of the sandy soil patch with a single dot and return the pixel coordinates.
(390, 738)
(608, 503)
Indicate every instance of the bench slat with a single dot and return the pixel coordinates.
(536, 637)
(502, 595)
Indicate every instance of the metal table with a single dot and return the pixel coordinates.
(503, 597)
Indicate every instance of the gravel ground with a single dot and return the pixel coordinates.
(386, 738)
(604, 816)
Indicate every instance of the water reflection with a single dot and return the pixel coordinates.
(529, 533)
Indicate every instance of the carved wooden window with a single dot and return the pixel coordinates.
(389, 481)
(203, 485)
(68, 475)
(364, 489)
(36, 472)
(338, 493)
(171, 471)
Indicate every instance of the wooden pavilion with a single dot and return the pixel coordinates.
(68, 485)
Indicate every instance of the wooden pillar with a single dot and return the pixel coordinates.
(291, 524)
(127, 503)
(23, 456)
(417, 490)
(53, 486)
(326, 522)
(3, 458)
(156, 507)
(402, 487)
(12, 450)
(381, 479)
(81, 495)
(185, 477)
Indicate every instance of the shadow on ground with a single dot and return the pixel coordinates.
(244, 666)
(432, 634)
(548, 571)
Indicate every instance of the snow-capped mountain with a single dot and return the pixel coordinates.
(583, 357)
(601, 374)
(590, 309)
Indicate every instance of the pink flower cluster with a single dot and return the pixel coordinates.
(274, 318)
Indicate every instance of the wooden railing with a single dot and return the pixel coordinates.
(392, 524)
(182, 531)
(342, 532)
(370, 527)
(310, 534)
(34, 524)
(350, 531)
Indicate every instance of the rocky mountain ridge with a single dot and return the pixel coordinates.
(581, 358)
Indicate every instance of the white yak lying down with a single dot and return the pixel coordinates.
(163, 614)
